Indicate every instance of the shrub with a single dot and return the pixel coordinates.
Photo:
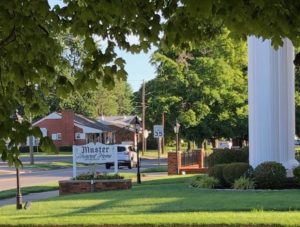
(296, 173)
(222, 156)
(217, 172)
(243, 183)
(234, 171)
(269, 175)
(89, 176)
(66, 148)
(205, 181)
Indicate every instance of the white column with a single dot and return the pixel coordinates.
(271, 102)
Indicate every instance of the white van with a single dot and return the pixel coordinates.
(126, 156)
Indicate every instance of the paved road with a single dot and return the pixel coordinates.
(8, 181)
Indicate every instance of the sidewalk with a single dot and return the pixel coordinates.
(30, 197)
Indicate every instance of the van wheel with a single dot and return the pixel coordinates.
(107, 166)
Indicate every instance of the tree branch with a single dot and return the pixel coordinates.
(10, 38)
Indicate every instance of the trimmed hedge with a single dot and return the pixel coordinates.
(222, 156)
(269, 175)
(296, 173)
(234, 171)
(88, 176)
(217, 172)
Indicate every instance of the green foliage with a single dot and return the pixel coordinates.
(105, 176)
(244, 183)
(99, 101)
(296, 173)
(220, 156)
(216, 171)
(234, 171)
(269, 175)
(204, 87)
(204, 181)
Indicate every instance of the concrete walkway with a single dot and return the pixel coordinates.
(30, 197)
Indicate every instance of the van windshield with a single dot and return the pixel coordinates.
(121, 149)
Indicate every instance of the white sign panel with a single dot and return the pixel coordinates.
(94, 153)
(158, 131)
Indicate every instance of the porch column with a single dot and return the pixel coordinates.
(271, 102)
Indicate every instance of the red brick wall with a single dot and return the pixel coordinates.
(65, 126)
(68, 127)
(83, 186)
(172, 163)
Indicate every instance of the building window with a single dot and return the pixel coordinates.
(56, 136)
(79, 136)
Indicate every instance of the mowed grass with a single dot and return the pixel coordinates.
(31, 189)
(49, 166)
(162, 202)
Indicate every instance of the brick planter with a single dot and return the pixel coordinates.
(83, 186)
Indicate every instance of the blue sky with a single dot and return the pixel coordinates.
(137, 66)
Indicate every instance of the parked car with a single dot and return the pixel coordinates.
(126, 156)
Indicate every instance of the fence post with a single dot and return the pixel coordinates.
(172, 162)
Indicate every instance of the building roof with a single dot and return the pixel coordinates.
(88, 122)
(126, 122)
(81, 121)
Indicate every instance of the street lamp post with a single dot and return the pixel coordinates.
(137, 130)
(176, 130)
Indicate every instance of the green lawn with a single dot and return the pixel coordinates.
(27, 190)
(162, 168)
(49, 166)
(154, 154)
(161, 202)
(47, 154)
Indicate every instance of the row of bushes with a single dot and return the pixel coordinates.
(98, 176)
(268, 175)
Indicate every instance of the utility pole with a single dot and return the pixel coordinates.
(31, 143)
(163, 137)
(143, 119)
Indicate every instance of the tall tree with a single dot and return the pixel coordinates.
(205, 89)
(93, 103)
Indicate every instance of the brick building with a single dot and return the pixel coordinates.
(68, 128)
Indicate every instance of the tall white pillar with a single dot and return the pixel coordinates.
(271, 102)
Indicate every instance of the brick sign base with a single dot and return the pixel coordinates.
(83, 186)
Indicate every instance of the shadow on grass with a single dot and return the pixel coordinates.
(175, 195)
